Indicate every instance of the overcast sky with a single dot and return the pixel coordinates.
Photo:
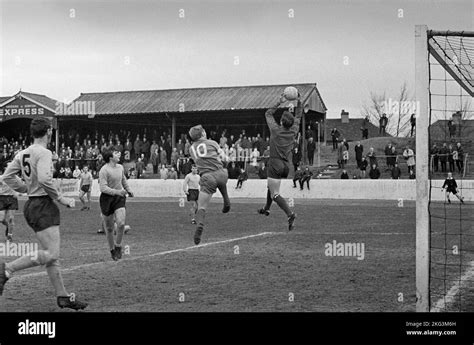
(348, 48)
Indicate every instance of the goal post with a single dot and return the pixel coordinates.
(422, 169)
(444, 91)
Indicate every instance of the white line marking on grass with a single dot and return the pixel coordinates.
(363, 233)
(204, 245)
(73, 268)
(451, 294)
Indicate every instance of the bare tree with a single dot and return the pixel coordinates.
(374, 109)
(398, 110)
(405, 109)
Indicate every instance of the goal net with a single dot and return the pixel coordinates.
(445, 144)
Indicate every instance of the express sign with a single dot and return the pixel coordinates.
(22, 107)
(19, 110)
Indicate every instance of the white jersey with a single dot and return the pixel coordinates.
(191, 181)
(36, 167)
(86, 179)
(4, 189)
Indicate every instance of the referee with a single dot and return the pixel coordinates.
(113, 191)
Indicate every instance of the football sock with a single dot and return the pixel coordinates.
(110, 238)
(119, 237)
(10, 224)
(225, 195)
(200, 215)
(56, 278)
(21, 264)
(269, 200)
(283, 204)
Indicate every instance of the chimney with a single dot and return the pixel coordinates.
(344, 116)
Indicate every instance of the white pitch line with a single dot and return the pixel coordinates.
(451, 294)
(362, 233)
(73, 268)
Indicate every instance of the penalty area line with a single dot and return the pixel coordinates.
(109, 263)
(445, 301)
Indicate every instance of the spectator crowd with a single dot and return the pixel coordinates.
(143, 153)
(152, 154)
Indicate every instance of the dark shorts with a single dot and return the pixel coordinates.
(41, 213)
(110, 203)
(8, 202)
(278, 169)
(193, 194)
(86, 188)
(212, 180)
(452, 190)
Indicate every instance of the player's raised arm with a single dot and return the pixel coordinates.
(10, 176)
(298, 116)
(45, 175)
(272, 124)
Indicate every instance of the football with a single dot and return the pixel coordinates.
(291, 93)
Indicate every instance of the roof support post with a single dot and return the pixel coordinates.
(173, 130)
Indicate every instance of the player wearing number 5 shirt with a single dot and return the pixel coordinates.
(41, 213)
(208, 157)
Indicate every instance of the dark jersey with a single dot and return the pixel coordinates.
(281, 139)
(205, 154)
(450, 184)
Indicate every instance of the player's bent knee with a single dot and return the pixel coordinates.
(53, 262)
(44, 257)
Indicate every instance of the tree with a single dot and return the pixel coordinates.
(398, 110)
(374, 110)
(404, 110)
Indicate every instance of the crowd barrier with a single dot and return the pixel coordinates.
(320, 189)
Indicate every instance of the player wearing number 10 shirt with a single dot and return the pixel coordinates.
(41, 213)
(208, 156)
